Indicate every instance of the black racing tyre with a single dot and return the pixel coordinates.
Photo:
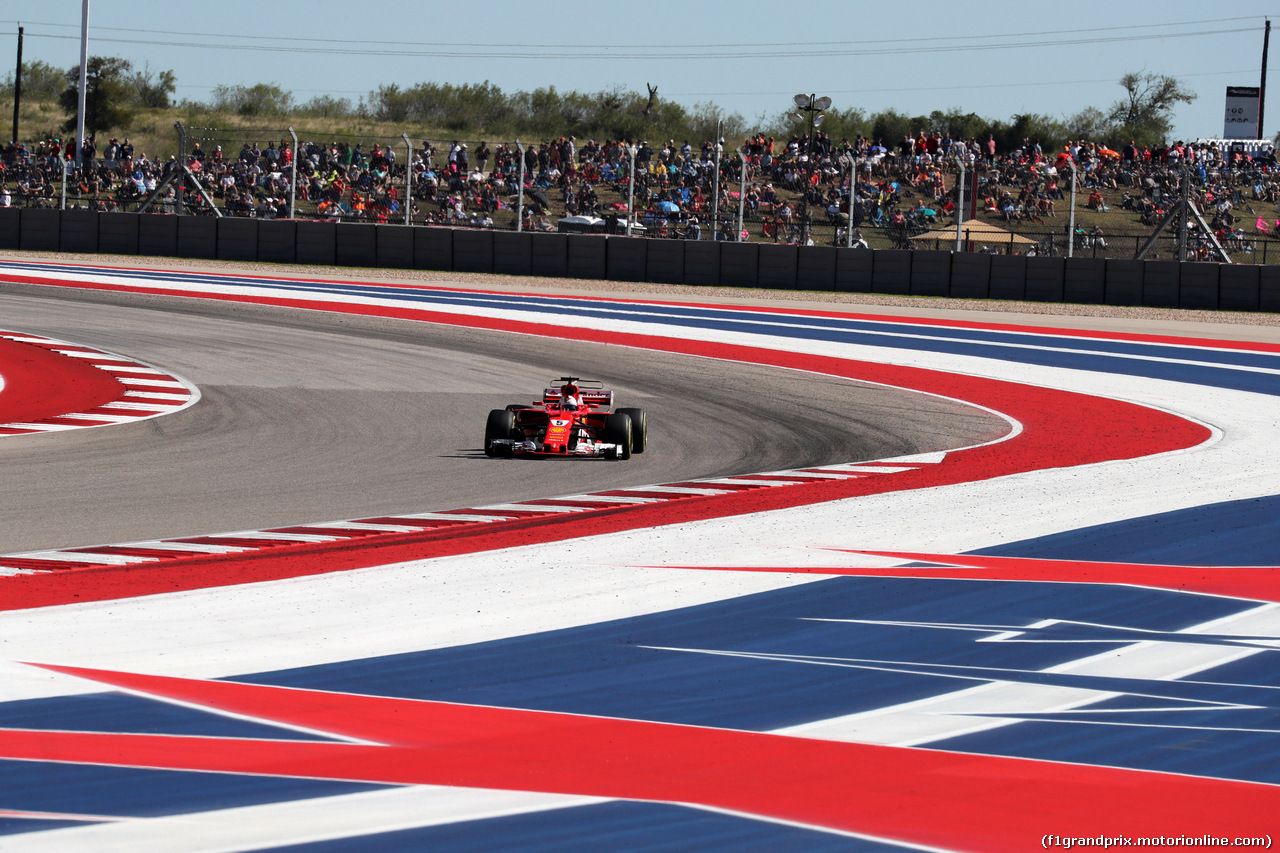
(639, 428)
(501, 424)
(617, 430)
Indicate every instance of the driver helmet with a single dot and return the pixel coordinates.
(567, 391)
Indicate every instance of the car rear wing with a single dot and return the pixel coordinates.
(597, 397)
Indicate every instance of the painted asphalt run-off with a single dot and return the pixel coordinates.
(48, 385)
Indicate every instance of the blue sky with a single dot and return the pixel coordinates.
(996, 58)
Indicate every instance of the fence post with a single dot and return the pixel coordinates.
(1071, 226)
(408, 178)
(715, 190)
(520, 190)
(182, 161)
(293, 178)
(742, 190)
(632, 150)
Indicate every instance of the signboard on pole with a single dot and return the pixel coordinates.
(1242, 113)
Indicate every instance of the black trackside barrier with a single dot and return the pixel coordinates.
(512, 253)
(237, 239)
(1084, 281)
(891, 272)
(1045, 277)
(10, 228)
(1122, 284)
(627, 259)
(1008, 277)
(317, 243)
(78, 231)
(356, 245)
(816, 268)
(1239, 287)
(930, 273)
(1269, 289)
(1160, 283)
(702, 263)
(117, 234)
(707, 263)
(41, 229)
(1198, 286)
(970, 275)
(472, 250)
(664, 261)
(740, 264)
(198, 237)
(587, 256)
(855, 270)
(549, 255)
(278, 241)
(394, 246)
(778, 265)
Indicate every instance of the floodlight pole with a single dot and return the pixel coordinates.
(811, 105)
(808, 178)
(632, 150)
(520, 190)
(852, 161)
(960, 205)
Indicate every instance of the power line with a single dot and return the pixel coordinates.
(668, 52)
(382, 44)
(1061, 81)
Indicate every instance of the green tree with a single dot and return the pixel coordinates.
(1028, 127)
(1145, 113)
(40, 82)
(1091, 124)
(891, 127)
(153, 88)
(327, 106)
(842, 124)
(107, 94)
(260, 99)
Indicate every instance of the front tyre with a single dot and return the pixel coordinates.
(617, 430)
(639, 428)
(501, 424)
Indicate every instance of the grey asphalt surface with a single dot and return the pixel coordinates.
(312, 417)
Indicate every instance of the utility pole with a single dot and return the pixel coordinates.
(1262, 86)
(84, 75)
(17, 88)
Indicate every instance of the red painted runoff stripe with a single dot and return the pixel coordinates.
(909, 795)
(40, 384)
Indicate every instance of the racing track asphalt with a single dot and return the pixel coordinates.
(308, 416)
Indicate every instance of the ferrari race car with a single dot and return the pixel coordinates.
(573, 418)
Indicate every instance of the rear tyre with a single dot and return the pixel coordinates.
(617, 430)
(639, 428)
(501, 424)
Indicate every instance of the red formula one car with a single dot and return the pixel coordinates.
(573, 418)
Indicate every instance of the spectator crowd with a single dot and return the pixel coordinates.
(784, 187)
